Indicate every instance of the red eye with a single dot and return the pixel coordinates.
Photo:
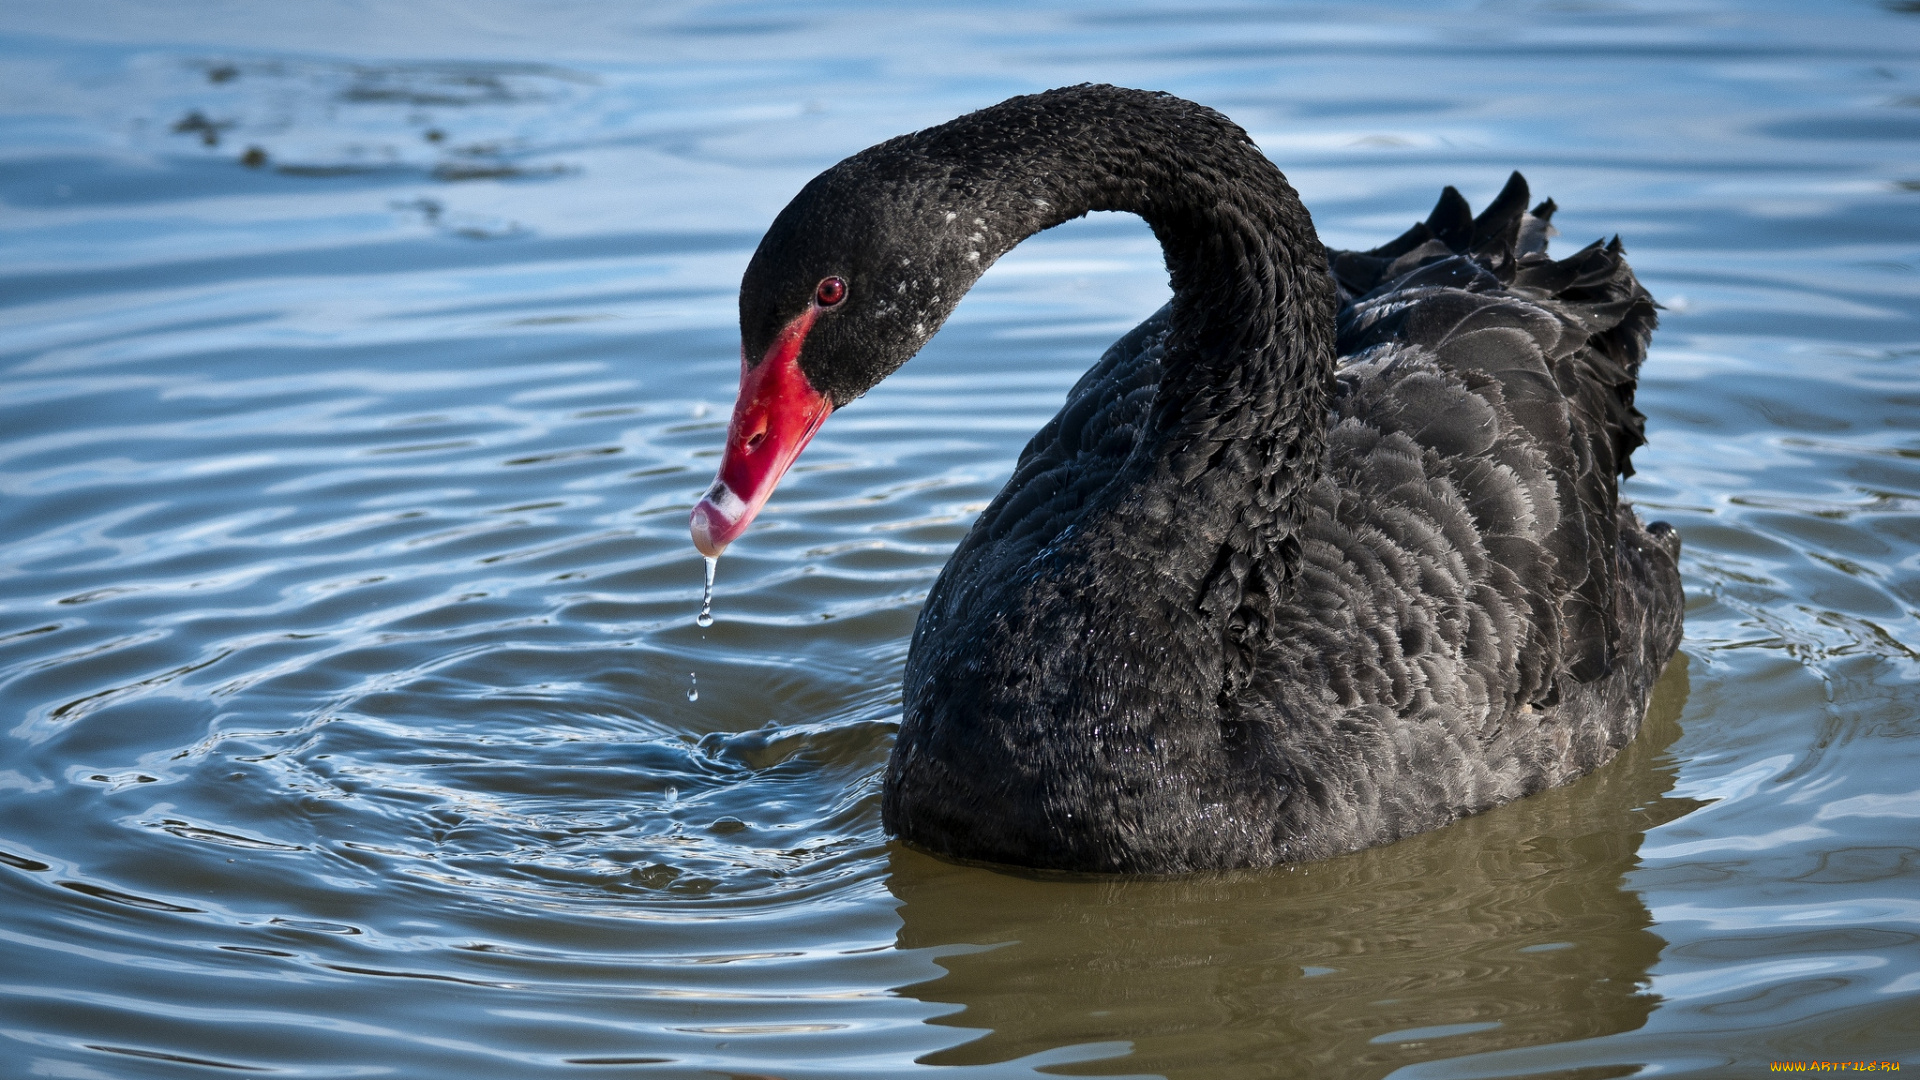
(830, 291)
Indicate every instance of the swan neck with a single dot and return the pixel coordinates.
(1249, 354)
(1252, 316)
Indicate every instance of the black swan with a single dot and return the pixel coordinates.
(1326, 552)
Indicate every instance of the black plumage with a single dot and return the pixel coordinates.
(1326, 552)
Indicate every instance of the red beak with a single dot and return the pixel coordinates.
(774, 418)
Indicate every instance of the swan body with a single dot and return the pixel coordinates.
(1326, 552)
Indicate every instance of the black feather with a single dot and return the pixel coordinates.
(1452, 220)
(1497, 228)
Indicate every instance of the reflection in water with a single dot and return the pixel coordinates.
(1510, 929)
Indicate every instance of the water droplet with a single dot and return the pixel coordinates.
(693, 688)
(706, 598)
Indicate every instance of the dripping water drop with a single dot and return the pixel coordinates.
(706, 599)
(693, 687)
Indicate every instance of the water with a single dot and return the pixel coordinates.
(705, 618)
(344, 582)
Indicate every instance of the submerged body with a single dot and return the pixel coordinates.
(1325, 553)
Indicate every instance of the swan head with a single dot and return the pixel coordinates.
(852, 278)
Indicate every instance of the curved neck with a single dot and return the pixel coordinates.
(1250, 352)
